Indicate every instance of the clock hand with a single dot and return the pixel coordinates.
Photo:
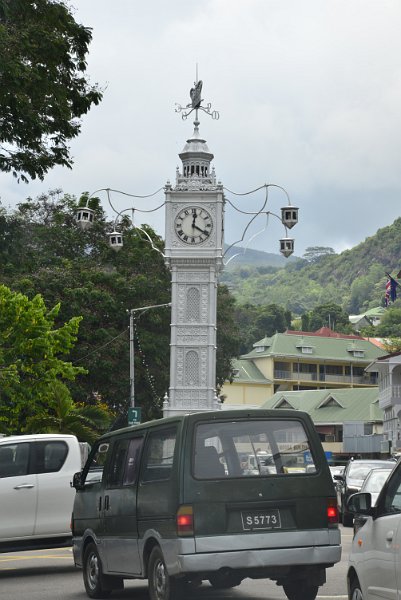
(200, 229)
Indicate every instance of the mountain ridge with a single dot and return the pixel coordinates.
(355, 278)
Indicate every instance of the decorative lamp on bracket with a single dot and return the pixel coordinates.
(286, 246)
(289, 216)
(116, 240)
(85, 217)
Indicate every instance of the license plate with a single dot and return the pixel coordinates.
(261, 519)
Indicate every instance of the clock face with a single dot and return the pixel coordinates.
(193, 225)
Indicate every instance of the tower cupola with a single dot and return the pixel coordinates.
(196, 156)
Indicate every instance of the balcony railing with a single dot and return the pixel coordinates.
(389, 396)
(326, 377)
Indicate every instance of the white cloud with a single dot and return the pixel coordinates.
(309, 95)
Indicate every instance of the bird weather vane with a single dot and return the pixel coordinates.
(196, 104)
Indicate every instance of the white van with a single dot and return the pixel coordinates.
(35, 491)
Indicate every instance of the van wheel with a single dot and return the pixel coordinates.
(93, 574)
(224, 581)
(356, 592)
(161, 585)
(300, 590)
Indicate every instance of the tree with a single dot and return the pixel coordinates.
(32, 355)
(43, 89)
(63, 415)
(228, 340)
(315, 253)
(392, 345)
(390, 324)
(256, 322)
(42, 251)
(326, 315)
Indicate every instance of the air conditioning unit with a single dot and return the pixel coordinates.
(330, 438)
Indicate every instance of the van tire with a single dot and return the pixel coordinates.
(356, 592)
(94, 580)
(300, 590)
(161, 585)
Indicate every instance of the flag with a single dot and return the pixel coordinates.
(391, 290)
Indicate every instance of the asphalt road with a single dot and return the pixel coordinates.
(51, 575)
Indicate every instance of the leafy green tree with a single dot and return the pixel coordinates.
(392, 345)
(367, 290)
(390, 324)
(42, 251)
(327, 315)
(228, 339)
(63, 415)
(32, 353)
(315, 253)
(256, 322)
(43, 88)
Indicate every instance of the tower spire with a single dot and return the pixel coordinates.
(196, 157)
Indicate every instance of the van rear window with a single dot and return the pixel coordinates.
(256, 448)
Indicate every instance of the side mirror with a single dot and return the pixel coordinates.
(77, 481)
(338, 478)
(360, 504)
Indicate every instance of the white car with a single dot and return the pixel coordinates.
(374, 482)
(35, 492)
(375, 556)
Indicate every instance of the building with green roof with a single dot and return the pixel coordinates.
(296, 361)
(349, 421)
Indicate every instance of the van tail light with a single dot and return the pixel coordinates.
(332, 511)
(185, 521)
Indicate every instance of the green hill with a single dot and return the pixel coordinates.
(354, 279)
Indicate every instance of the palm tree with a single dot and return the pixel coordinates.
(86, 422)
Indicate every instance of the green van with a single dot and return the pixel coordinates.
(175, 501)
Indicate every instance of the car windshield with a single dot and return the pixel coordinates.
(376, 480)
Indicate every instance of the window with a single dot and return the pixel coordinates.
(116, 467)
(159, 455)
(392, 500)
(306, 349)
(14, 459)
(132, 462)
(47, 456)
(54, 455)
(252, 448)
(93, 470)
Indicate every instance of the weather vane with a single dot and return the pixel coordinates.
(196, 102)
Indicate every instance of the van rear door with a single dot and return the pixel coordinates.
(255, 476)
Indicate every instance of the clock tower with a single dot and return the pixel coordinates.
(194, 255)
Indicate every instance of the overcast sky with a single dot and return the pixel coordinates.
(309, 95)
